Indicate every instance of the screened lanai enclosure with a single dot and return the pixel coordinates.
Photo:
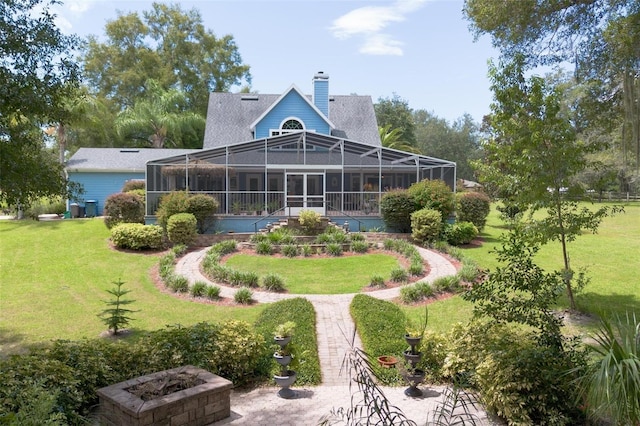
(285, 174)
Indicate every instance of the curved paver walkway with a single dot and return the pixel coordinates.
(334, 327)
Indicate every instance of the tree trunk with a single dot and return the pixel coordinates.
(567, 275)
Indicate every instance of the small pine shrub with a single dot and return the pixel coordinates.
(212, 292)
(460, 233)
(264, 248)
(334, 249)
(410, 294)
(182, 228)
(306, 250)
(243, 296)
(136, 236)
(290, 250)
(426, 225)
(377, 281)
(473, 207)
(359, 246)
(273, 282)
(399, 275)
(123, 208)
(198, 289)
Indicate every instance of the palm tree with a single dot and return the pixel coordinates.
(159, 118)
(392, 138)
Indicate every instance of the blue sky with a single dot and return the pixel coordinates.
(421, 50)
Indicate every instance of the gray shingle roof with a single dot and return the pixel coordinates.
(119, 159)
(230, 115)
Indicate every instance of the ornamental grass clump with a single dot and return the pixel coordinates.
(359, 247)
(334, 249)
(264, 248)
(243, 296)
(399, 275)
(198, 289)
(273, 282)
(377, 281)
(289, 250)
(212, 292)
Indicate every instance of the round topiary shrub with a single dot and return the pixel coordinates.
(460, 233)
(181, 228)
(204, 208)
(170, 204)
(136, 236)
(396, 207)
(433, 194)
(473, 207)
(426, 225)
(123, 208)
(132, 185)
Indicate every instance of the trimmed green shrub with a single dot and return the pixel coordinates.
(134, 185)
(289, 250)
(123, 208)
(377, 281)
(396, 207)
(243, 296)
(300, 311)
(334, 249)
(433, 194)
(181, 228)
(273, 282)
(473, 207)
(212, 292)
(170, 204)
(399, 275)
(460, 233)
(359, 246)
(264, 248)
(309, 221)
(203, 208)
(136, 236)
(198, 289)
(426, 225)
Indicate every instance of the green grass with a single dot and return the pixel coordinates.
(53, 277)
(612, 259)
(331, 275)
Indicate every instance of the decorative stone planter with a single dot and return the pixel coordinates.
(285, 380)
(387, 361)
(199, 405)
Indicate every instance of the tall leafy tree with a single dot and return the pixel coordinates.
(533, 156)
(168, 45)
(37, 73)
(458, 141)
(160, 118)
(600, 37)
(395, 113)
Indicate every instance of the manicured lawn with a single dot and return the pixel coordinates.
(612, 259)
(53, 277)
(331, 275)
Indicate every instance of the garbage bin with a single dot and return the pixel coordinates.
(91, 208)
(74, 208)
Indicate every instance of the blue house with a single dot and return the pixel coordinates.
(266, 156)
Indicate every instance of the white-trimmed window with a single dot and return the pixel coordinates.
(289, 125)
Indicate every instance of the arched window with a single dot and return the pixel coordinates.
(292, 124)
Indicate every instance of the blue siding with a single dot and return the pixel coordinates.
(292, 105)
(98, 186)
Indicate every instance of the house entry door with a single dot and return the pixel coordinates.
(305, 191)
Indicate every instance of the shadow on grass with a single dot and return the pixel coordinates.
(607, 304)
(11, 343)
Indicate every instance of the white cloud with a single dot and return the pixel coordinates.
(368, 22)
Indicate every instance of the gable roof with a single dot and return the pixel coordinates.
(132, 160)
(293, 88)
(230, 116)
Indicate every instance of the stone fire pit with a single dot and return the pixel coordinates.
(199, 405)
